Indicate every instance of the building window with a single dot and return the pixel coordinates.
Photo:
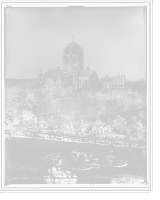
(80, 83)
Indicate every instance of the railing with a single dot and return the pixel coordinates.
(82, 139)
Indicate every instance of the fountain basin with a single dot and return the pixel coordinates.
(71, 162)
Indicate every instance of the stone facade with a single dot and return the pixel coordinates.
(116, 82)
(72, 73)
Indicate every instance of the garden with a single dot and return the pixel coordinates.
(41, 121)
(25, 161)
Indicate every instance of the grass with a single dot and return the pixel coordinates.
(25, 163)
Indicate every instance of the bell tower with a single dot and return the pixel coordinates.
(73, 58)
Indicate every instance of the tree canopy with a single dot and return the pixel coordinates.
(91, 112)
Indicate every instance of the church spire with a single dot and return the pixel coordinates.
(73, 38)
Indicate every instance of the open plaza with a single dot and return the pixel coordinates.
(25, 161)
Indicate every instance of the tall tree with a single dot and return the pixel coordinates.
(112, 108)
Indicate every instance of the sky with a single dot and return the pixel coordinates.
(113, 39)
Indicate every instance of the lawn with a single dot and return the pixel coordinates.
(25, 163)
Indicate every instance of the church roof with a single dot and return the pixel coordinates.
(74, 46)
(86, 72)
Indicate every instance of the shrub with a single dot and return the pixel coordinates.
(126, 178)
(56, 175)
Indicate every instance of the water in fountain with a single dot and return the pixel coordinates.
(86, 158)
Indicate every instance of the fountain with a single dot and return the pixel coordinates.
(86, 158)
(94, 164)
(110, 154)
(55, 159)
(75, 152)
(76, 160)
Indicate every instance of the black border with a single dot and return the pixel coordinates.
(36, 5)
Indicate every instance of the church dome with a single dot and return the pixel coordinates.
(73, 48)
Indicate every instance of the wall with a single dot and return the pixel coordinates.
(117, 143)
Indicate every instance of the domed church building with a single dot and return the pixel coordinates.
(73, 72)
(73, 64)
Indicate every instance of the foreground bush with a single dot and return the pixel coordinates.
(126, 178)
(56, 175)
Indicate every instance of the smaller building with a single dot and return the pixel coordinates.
(116, 82)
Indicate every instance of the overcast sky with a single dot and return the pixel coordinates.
(113, 39)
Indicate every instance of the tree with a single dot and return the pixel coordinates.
(139, 86)
(11, 105)
(27, 114)
(56, 175)
(132, 109)
(68, 111)
(112, 108)
(52, 80)
(98, 128)
(120, 123)
(41, 106)
(21, 99)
